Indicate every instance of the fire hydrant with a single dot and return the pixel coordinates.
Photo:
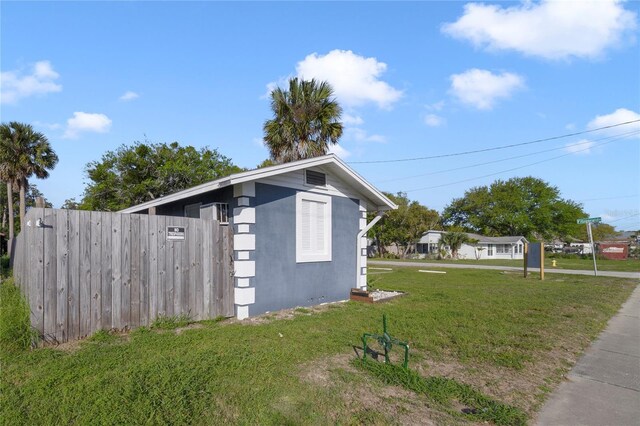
(553, 263)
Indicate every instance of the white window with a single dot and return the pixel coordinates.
(490, 250)
(313, 227)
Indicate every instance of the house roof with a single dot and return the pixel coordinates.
(481, 238)
(330, 161)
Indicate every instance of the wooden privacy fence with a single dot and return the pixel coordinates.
(85, 271)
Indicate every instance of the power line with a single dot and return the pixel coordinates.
(495, 148)
(621, 135)
(508, 170)
(610, 198)
(623, 218)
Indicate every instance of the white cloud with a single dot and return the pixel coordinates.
(582, 147)
(86, 122)
(129, 96)
(354, 78)
(49, 126)
(481, 88)
(437, 106)
(15, 85)
(339, 151)
(621, 115)
(360, 135)
(352, 120)
(433, 120)
(547, 29)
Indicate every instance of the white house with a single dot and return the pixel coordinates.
(485, 248)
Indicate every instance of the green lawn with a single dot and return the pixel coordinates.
(629, 265)
(499, 339)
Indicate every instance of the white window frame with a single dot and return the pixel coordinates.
(325, 255)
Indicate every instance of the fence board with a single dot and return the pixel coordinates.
(73, 300)
(36, 271)
(177, 271)
(50, 298)
(153, 267)
(187, 262)
(144, 270)
(86, 271)
(116, 266)
(107, 277)
(125, 297)
(163, 272)
(62, 273)
(195, 248)
(228, 282)
(96, 270)
(206, 268)
(135, 271)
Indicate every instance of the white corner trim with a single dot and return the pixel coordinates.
(245, 296)
(242, 282)
(247, 189)
(313, 254)
(243, 228)
(244, 242)
(244, 268)
(244, 215)
(242, 312)
(243, 201)
(243, 255)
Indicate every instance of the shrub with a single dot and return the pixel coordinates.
(15, 324)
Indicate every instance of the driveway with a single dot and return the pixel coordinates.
(615, 274)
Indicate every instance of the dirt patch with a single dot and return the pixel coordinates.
(286, 314)
(192, 326)
(361, 394)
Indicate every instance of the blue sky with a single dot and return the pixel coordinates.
(415, 79)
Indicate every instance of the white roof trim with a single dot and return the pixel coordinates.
(383, 203)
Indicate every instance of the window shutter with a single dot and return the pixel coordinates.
(313, 227)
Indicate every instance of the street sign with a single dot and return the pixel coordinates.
(589, 220)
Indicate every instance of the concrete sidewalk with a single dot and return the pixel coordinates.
(616, 274)
(603, 388)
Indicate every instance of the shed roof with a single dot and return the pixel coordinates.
(330, 161)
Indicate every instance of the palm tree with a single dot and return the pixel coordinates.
(306, 121)
(23, 153)
(454, 240)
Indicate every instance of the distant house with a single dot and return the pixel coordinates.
(485, 248)
(299, 230)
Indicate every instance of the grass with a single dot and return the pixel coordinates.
(629, 265)
(171, 322)
(15, 328)
(499, 336)
(443, 391)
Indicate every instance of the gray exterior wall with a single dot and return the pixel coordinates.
(280, 282)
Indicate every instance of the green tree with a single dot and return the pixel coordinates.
(519, 206)
(454, 240)
(405, 226)
(306, 120)
(600, 232)
(142, 172)
(23, 154)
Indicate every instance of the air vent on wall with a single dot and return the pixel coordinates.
(315, 178)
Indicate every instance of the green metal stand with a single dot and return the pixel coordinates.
(387, 342)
